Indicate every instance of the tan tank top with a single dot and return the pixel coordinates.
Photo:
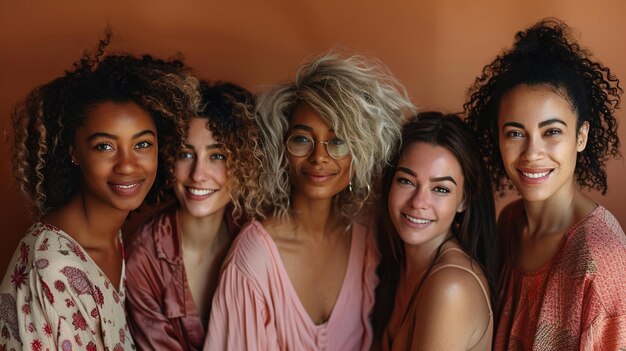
(407, 325)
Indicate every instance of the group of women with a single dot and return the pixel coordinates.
(322, 214)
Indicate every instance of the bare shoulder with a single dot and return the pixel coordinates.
(452, 299)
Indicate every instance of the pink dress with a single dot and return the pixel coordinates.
(256, 307)
(577, 301)
(55, 297)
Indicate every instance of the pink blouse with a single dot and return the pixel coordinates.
(256, 307)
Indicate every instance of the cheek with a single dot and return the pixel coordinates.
(181, 170)
(397, 198)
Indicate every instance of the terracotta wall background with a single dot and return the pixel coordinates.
(435, 48)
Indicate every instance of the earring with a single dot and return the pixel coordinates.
(350, 187)
(74, 162)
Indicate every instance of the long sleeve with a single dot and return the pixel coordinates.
(605, 334)
(240, 317)
(151, 328)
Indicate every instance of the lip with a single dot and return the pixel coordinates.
(198, 194)
(534, 175)
(126, 189)
(319, 176)
(416, 222)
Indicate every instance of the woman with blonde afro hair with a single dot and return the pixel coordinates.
(303, 277)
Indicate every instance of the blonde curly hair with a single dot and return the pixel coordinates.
(362, 102)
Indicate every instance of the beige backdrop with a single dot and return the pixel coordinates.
(435, 48)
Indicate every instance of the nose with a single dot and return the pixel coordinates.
(200, 170)
(533, 149)
(319, 153)
(126, 161)
(420, 199)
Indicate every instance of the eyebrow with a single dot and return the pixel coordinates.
(305, 128)
(541, 124)
(436, 179)
(115, 137)
(208, 147)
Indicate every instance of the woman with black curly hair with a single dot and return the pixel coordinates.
(174, 260)
(544, 113)
(89, 147)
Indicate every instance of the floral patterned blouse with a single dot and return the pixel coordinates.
(54, 297)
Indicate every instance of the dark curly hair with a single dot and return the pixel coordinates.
(474, 228)
(545, 55)
(45, 123)
(229, 109)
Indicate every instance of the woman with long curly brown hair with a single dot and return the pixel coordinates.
(174, 261)
(544, 112)
(89, 147)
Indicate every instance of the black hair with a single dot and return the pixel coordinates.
(544, 54)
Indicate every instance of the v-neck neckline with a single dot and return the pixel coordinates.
(292, 290)
(117, 287)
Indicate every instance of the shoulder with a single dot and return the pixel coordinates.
(598, 245)
(456, 282)
(162, 227)
(598, 238)
(252, 250)
(452, 299)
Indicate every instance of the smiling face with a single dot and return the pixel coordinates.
(117, 152)
(539, 142)
(201, 174)
(425, 195)
(317, 175)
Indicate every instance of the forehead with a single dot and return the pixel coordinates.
(530, 105)
(429, 160)
(305, 115)
(198, 132)
(112, 115)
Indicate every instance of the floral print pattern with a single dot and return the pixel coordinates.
(54, 297)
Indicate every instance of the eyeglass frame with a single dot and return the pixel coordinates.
(325, 142)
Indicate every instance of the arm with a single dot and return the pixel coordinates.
(452, 313)
(240, 317)
(151, 328)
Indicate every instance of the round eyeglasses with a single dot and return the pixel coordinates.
(301, 145)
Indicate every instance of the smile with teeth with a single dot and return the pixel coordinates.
(128, 186)
(535, 175)
(417, 220)
(200, 192)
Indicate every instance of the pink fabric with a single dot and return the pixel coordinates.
(575, 302)
(161, 311)
(55, 297)
(257, 308)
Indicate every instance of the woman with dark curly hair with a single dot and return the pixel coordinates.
(438, 241)
(304, 277)
(174, 260)
(89, 147)
(544, 114)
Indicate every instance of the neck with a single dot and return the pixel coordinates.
(91, 223)
(557, 213)
(420, 257)
(202, 233)
(315, 217)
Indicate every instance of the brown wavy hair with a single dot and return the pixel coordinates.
(45, 123)
(229, 110)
